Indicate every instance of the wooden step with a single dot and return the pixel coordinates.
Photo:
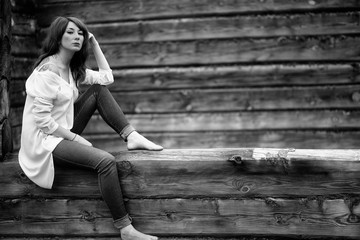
(196, 193)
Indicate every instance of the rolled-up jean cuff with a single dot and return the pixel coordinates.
(126, 132)
(123, 222)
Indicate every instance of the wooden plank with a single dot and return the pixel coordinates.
(217, 100)
(111, 11)
(234, 76)
(235, 173)
(234, 139)
(232, 121)
(231, 51)
(273, 217)
(223, 99)
(227, 27)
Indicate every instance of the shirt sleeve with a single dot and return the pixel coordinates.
(102, 77)
(44, 88)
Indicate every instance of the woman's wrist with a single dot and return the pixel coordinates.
(73, 138)
(94, 42)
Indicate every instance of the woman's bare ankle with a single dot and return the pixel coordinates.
(130, 233)
(135, 141)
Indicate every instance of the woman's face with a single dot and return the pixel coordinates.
(72, 38)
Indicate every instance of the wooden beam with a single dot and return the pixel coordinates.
(227, 27)
(231, 51)
(234, 99)
(235, 121)
(185, 217)
(234, 139)
(235, 173)
(93, 11)
(234, 76)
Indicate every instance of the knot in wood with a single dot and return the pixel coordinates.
(23, 178)
(237, 159)
(353, 218)
(243, 187)
(88, 216)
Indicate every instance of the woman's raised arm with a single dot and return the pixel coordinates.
(99, 55)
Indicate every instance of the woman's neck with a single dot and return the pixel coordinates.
(64, 58)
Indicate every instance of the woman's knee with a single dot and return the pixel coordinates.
(106, 163)
(98, 88)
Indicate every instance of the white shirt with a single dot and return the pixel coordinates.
(49, 103)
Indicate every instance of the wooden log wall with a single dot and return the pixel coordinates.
(5, 78)
(219, 73)
(24, 51)
(247, 194)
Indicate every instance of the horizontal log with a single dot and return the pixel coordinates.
(231, 51)
(217, 76)
(92, 11)
(215, 100)
(234, 76)
(226, 121)
(235, 173)
(269, 139)
(227, 27)
(234, 139)
(232, 121)
(215, 217)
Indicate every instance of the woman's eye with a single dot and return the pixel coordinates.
(81, 33)
(70, 32)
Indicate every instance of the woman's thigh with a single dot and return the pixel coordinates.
(77, 154)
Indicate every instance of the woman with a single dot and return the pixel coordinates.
(55, 116)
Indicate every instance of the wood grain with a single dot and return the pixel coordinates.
(227, 27)
(217, 100)
(232, 51)
(234, 76)
(112, 11)
(248, 120)
(235, 173)
(184, 217)
(236, 139)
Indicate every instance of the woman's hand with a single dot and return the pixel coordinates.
(81, 140)
(92, 39)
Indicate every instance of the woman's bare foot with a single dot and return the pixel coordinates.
(136, 141)
(130, 233)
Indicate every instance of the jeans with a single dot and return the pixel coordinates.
(71, 153)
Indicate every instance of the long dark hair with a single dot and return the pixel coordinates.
(53, 41)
